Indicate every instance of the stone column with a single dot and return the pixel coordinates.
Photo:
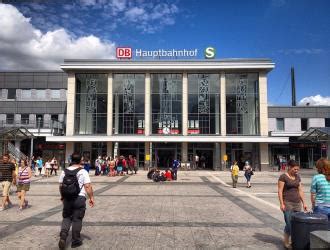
(223, 152)
(217, 157)
(110, 149)
(116, 114)
(147, 106)
(264, 158)
(223, 103)
(109, 106)
(70, 112)
(68, 152)
(263, 104)
(184, 152)
(185, 104)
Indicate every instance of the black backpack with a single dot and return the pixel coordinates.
(70, 187)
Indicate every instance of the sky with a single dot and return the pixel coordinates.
(40, 34)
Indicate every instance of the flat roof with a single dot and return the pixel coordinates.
(212, 64)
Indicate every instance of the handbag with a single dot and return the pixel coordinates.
(251, 172)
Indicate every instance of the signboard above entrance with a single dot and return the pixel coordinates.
(129, 53)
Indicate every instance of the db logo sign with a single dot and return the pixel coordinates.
(124, 53)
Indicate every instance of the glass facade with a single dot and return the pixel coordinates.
(166, 103)
(91, 104)
(203, 104)
(242, 104)
(128, 103)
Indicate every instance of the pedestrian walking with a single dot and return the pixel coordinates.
(7, 178)
(39, 166)
(74, 183)
(291, 197)
(320, 188)
(248, 172)
(23, 184)
(234, 173)
(175, 167)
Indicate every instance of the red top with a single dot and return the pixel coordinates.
(168, 175)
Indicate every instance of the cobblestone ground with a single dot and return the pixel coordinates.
(199, 211)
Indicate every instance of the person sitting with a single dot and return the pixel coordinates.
(168, 175)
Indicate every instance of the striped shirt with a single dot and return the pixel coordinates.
(23, 175)
(321, 187)
(6, 171)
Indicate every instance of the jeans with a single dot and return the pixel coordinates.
(174, 174)
(247, 176)
(322, 210)
(287, 219)
(73, 213)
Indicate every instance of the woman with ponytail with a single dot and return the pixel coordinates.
(320, 188)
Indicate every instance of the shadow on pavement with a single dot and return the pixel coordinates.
(277, 241)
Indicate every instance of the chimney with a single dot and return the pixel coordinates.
(293, 88)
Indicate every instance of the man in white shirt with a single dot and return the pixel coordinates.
(74, 206)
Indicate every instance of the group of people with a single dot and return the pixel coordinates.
(248, 172)
(169, 174)
(291, 194)
(109, 166)
(46, 168)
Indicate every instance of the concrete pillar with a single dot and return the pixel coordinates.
(109, 105)
(222, 153)
(185, 104)
(68, 152)
(70, 111)
(223, 103)
(216, 157)
(263, 106)
(147, 106)
(110, 149)
(264, 158)
(184, 151)
(18, 145)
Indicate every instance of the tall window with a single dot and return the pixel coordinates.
(91, 104)
(303, 124)
(10, 119)
(25, 119)
(327, 122)
(242, 104)
(166, 99)
(280, 124)
(128, 103)
(203, 104)
(11, 94)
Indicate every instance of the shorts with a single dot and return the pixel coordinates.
(25, 187)
(5, 187)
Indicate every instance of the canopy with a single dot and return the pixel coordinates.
(316, 135)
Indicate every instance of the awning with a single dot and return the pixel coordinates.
(141, 138)
(316, 135)
(15, 133)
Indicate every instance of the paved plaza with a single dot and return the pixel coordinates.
(199, 211)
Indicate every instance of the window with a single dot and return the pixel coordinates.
(128, 109)
(91, 104)
(203, 104)
(327, 122)
(10, 119)
(26, 93)
(41, 93)
(55, 93)
(54, 117)
(25, 119)
(242, 104)
(303, 124)
(40, 120)
(11, 94)
(280, 124)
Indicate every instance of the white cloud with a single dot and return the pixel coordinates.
(317, 100)
(22, 46)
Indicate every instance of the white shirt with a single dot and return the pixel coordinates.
(83, 178)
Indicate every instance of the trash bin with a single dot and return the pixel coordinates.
(304, 223)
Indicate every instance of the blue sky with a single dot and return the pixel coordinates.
(289, 32)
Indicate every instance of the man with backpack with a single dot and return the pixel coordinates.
(74, 183)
